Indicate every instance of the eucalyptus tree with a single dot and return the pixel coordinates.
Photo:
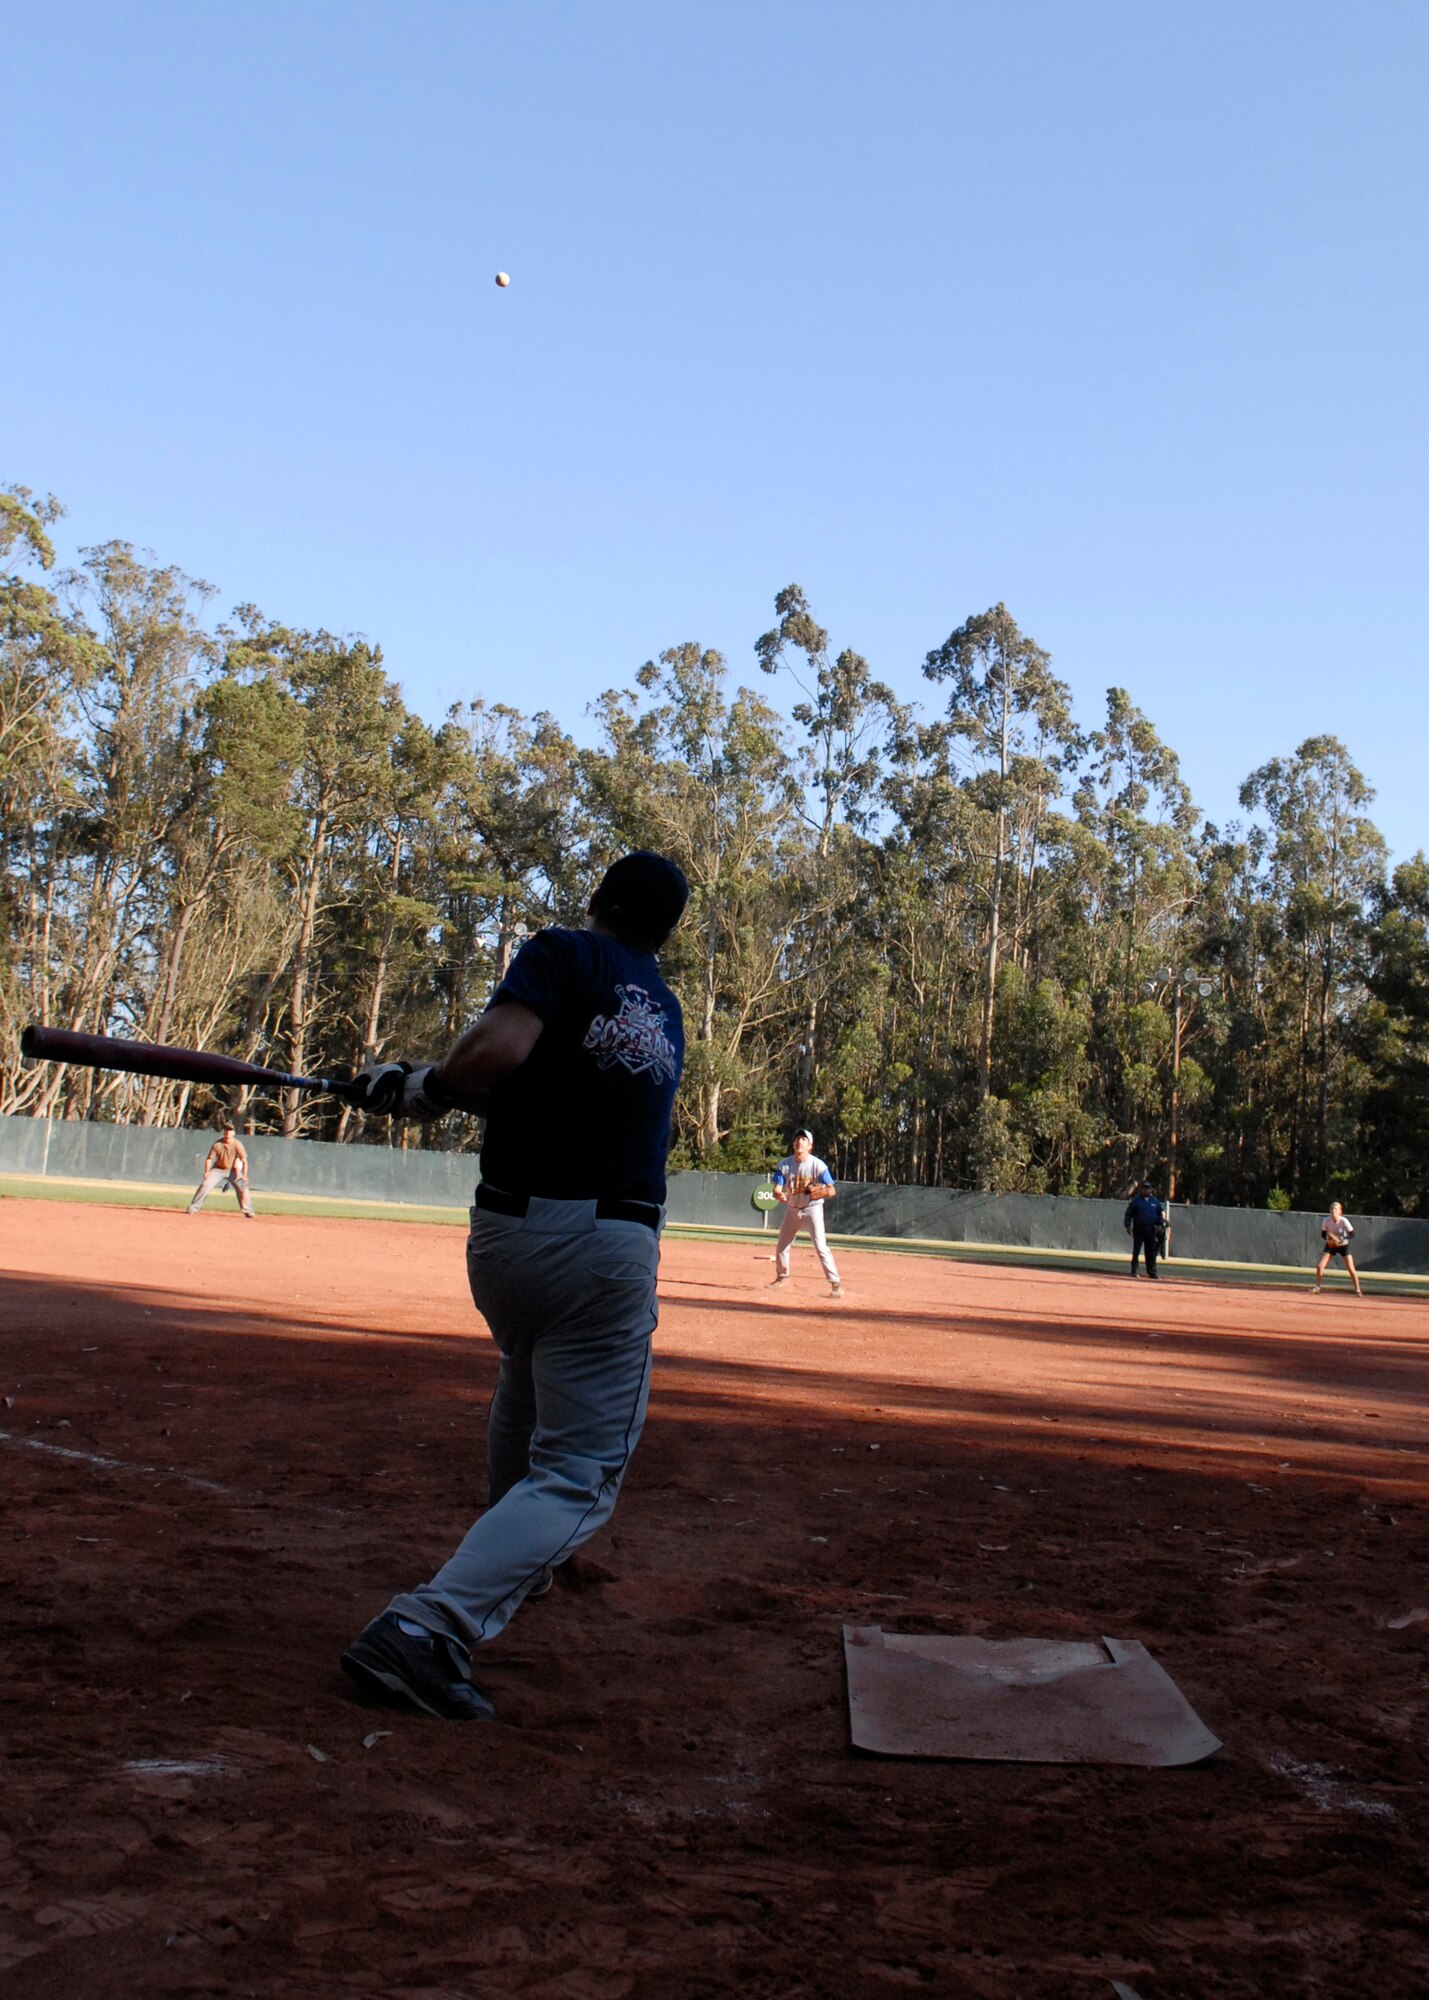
(932, 936)
(1037, 1127)
(1324, 863)
(134, 716)
(46, 655)
(349, 715)
(705, 776)
(930, 916)
(1392, 1158)
(386, 915)
(1137, 863)
(1014, 716)
(852, 728)
(1131, 798)
(512, 842)
(1236, 934)
(216, 918)
(1055, 1094)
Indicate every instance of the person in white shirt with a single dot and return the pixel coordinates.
(802, 1183)
(1336, 1229)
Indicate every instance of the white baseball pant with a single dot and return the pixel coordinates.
(811, 1216)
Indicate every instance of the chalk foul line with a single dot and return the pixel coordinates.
(114, 1464)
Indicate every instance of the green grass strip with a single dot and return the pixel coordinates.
(150, 1194)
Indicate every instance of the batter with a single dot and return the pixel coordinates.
(575, 1063)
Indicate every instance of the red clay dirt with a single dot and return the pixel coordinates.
(227, 1443)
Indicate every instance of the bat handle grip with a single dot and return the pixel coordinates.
(335, 1086)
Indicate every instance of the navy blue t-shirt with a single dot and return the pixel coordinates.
(588, 1112)
(1145, 1211)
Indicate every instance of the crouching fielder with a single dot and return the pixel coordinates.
(226, 1166)
(803, 1184)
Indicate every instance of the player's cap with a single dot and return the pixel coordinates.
(804, 1133)
(642, 892)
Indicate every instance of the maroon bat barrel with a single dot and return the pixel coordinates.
(155, 1059)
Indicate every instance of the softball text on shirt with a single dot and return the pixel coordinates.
(588, 1112)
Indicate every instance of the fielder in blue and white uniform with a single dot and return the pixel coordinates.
(803, 1184)
(575, 1063)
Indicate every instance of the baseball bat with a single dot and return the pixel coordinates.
(154, 1059)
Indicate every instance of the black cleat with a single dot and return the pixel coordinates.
(407, 1672)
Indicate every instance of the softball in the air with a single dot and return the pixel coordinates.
(503, 279)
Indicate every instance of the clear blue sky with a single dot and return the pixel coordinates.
(1115, 312)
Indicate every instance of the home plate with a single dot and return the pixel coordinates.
(1028, 1701)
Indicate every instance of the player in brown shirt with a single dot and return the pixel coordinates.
(226, 1166)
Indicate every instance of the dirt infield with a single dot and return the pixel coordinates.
(226, 1444)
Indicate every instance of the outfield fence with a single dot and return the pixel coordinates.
(76, 1150)
(1066, 1223)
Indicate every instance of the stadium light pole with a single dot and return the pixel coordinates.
(1177, 981)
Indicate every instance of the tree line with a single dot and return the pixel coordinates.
(989, 945)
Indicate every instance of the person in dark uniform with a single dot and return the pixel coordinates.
(1145, 1221)
(575, 1064)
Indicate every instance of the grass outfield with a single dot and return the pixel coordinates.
(151, 1194)
(145, 1194)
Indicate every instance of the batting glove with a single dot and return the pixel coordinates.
(403, 1090)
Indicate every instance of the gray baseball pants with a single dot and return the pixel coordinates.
(216, 1177)
(570, 1302)
(812, 1219)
